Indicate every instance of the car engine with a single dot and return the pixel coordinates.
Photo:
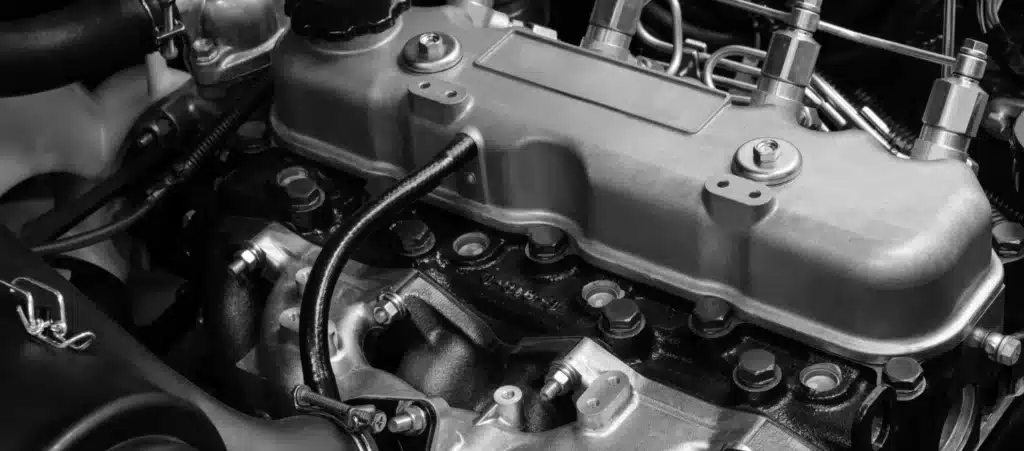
(712, 225)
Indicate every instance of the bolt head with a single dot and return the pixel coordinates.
(975, 47)
(756, 368)
(204, 49)
(903, 373)
(431, 46)
(712, 312)
(300, 188)
(623, 315)
(1008, 239)
(1008, 352)
(414, 237)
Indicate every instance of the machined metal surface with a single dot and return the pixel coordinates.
(865, 255)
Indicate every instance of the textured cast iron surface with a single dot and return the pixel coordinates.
(864, 255)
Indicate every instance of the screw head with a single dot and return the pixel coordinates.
(623, 315)
(757, 369)
(904, 374)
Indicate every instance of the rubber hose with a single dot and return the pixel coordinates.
(98, 235)
(232, 314)
(86, 40)
(316, 300)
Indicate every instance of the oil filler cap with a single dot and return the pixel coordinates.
(342, 20)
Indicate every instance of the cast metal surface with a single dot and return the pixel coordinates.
(864, 255)
(232, 38)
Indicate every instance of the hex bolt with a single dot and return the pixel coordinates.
(756, 371)
(1007, 236)
(247, 260)
(204, 49)
(906, 376)
(431, 46)
(561, 379)
(302, 190)
(712, 314)
(1001, 348)
(766, 153)
(623, 316)
(975, 48)
(411, 421)
(414, 237)
(390, 308)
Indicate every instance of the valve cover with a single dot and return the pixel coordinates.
(852, 250)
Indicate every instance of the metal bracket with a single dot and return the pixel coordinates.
(44, 328)
(167, 27)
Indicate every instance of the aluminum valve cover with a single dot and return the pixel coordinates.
(861, 253)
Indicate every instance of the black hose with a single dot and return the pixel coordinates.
(86, 40)
(226, 124)
(316, 301)
(98, 235)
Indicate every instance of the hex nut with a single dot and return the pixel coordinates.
(956, 106)
(792, 55)
(712, 313)
(1008, 352)
(390, 308)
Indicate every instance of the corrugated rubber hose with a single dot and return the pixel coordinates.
(316, 300)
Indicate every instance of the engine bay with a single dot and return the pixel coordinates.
(513, 224)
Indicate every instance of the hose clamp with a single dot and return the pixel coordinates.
(40, 325)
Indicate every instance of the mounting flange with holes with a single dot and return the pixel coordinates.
(771, 161)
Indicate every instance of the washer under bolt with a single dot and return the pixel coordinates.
(390, 308)
(432, 52)
(906, 376)
(711, 315)
(561, 379)
(766, 153)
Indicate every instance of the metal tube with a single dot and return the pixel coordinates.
(733, 83)
(825, 107)
(949, 34)
(848, 34)
(833, 96)
(677, 37)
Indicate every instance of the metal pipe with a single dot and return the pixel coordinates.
(833, 114)
(677, 37)
(833, 95)
(848, 34)
(733, 83)
(949, 35)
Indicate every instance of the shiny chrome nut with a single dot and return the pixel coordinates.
(1008, 352)
(247, 260)
(956, 105)
(791, 57)
(804, 19)
(390, 308)
(561, 379)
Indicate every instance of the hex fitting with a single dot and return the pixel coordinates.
(955, 109)
(756, 371)
(561, 379)
(247, 260)
(791, 58)
(1002, 349)
(711, 318)
(906, 376)
(414, 237)
(410, 421)
(390, 307)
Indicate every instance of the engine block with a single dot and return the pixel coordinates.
(824, 237)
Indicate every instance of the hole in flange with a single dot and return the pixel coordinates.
(425, 85)
(821, 378)
(593, 403)
(451, 94)
(755, 194)
(508, 394)
(723, 184)
(613, 380)
(472, 244)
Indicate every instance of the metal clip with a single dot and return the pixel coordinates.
(167, 28)
(47, 330)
